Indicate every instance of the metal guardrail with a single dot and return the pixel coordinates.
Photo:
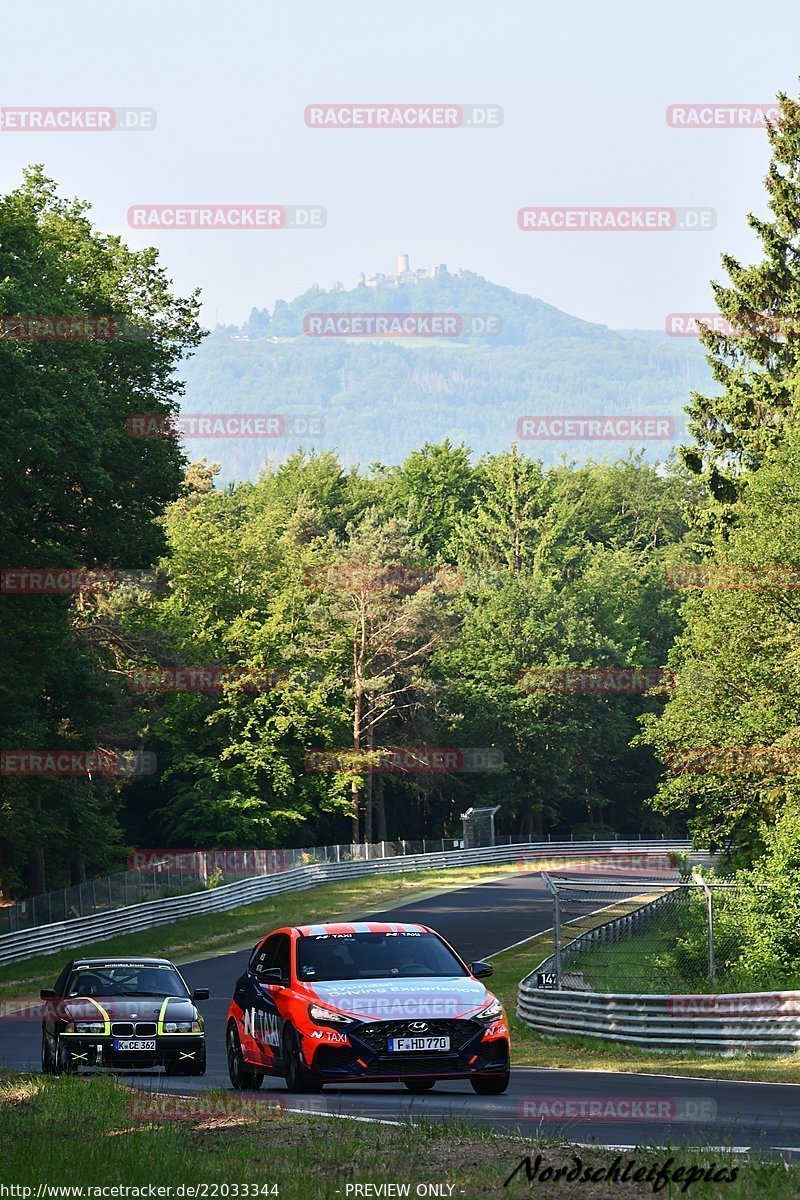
(766, 1022)
(50, 939)
(760, 1022)
(162, 874)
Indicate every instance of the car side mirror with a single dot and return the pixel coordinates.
(481, 969)
(48, 994)
(272, 975)
(201, 994)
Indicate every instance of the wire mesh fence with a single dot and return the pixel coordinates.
(158, 875)
(644, 936)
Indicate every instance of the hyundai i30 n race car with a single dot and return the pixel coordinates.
(131, 1014)
(365, 1001)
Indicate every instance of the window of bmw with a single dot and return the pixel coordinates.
(329, 956)
(127, 979)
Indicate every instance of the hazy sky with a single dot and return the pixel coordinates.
(584, 88)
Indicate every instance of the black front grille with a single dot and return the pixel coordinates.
(416, 1064)
(122, 1028)
(145, 1029)
(376, 1033)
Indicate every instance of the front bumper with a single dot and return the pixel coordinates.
(366, 1055)
(92, 1050)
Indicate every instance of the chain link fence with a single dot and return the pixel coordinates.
(180, 873)
(642, 935)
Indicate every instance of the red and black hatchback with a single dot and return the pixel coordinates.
(350, 1003)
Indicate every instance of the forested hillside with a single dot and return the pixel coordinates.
(380, 398)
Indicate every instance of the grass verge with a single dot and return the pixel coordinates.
(93, 1133)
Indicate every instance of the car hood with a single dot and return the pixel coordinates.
(128, 1008)
(401, 999)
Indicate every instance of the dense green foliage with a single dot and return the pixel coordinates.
(75, 491)
(530, 569)
(730, 735)
(756, 363)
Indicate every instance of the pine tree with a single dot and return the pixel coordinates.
(757, 364)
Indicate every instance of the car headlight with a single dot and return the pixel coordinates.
(328, 1016)
(89, 1027)
(491, 1012)
(181, 1027)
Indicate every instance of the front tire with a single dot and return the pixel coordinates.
(62, 1061)
(48, 1064)
(243, 1078)
(297, 1075)
(490, 1085)
(419, 1085)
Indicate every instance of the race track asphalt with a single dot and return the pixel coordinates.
(479, 921)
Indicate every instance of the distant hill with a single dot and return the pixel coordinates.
(380, 398)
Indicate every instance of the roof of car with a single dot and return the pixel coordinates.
(122, 960)
(361, 927)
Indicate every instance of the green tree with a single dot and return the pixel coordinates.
(76, 490)
(383, 628)
(756, 365)
(735, 709)
(432, 489)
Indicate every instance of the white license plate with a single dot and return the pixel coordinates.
(134, 1044)
(418, 1043)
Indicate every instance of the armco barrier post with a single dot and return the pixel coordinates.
(551, 887)
(697, 878)
(712, 967)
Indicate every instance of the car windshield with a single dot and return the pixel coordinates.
(375, 956)
(126, 979)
